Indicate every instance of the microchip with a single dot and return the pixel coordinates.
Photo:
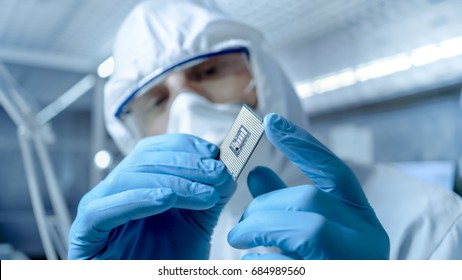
(241, 141)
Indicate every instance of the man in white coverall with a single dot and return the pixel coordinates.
(185, 68)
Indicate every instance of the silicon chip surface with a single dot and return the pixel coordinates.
(241, 141)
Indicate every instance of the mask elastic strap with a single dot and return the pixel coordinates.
(249, 87)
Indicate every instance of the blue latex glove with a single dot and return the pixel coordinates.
(161, 202)
(330, 220)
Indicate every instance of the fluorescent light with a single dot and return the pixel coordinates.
(345, 78)
(383, 67)
(103, 159)
(425, 55)
(106, 68)
(334, 81)
(451, 47)
(304, 89)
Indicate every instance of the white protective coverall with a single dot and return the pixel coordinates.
(422, 221)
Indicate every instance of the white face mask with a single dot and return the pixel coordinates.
(193, 114)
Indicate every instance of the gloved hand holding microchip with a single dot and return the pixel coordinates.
(330, 220)
(161, 202)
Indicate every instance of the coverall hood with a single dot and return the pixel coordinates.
(159, 34)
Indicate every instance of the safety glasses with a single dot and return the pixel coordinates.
(221, 77)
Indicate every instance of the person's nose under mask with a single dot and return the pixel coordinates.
(193, 114)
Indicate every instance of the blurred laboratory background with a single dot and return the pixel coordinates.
(380, 81)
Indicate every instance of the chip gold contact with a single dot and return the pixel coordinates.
(241, 141)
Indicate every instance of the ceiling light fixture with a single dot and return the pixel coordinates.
(106, 68)
(380, 68)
